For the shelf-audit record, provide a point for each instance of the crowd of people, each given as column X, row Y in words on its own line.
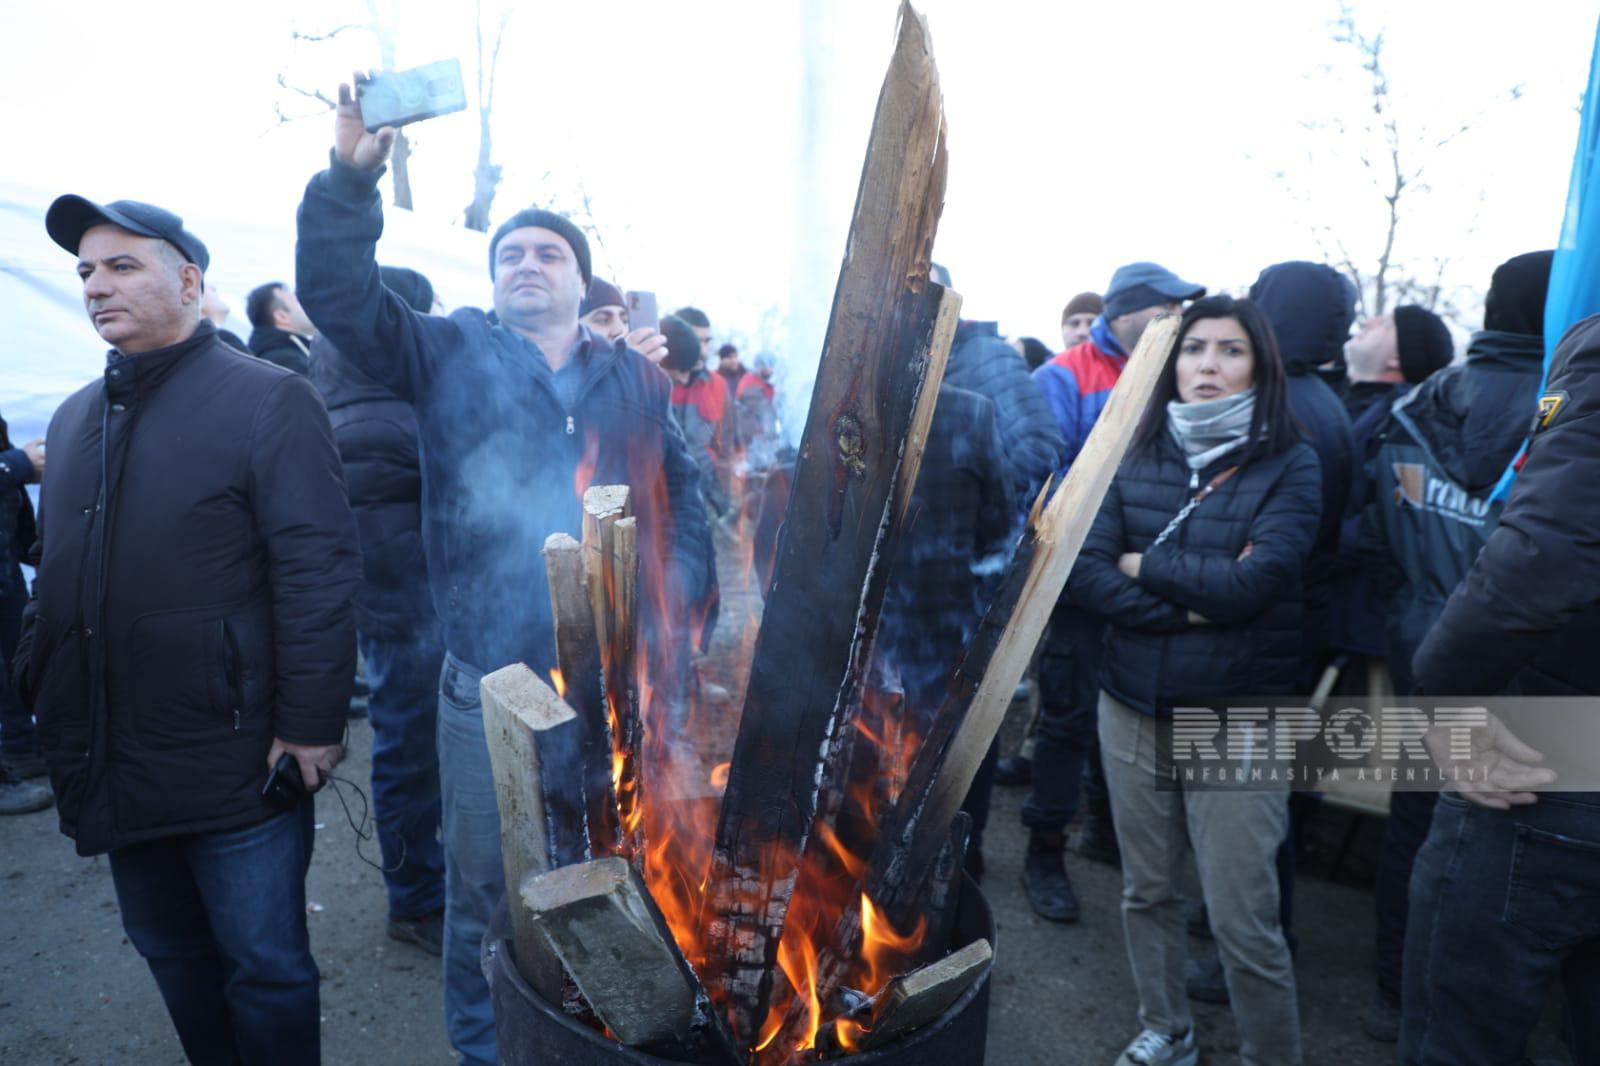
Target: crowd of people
column 1303, row 503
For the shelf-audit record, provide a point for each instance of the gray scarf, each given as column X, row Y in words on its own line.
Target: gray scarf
column 1209, row 430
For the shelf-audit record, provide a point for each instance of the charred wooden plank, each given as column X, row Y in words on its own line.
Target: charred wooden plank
column 878, row 377
column 535, row 752
column 622, row 689
column 913, row 1000
column 944, row 890
column 578, row 659
column 600, row 921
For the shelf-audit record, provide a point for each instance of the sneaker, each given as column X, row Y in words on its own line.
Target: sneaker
column 23, row 797
column 1097, row 842
column 1205, row 980
column 1044, row 875
column 1151, row 1048
column 24, row 767
column 1013, row 772
column 427, row 932
column 1382, row 1018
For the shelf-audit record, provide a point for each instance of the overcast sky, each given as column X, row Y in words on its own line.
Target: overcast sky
column 1081, row 135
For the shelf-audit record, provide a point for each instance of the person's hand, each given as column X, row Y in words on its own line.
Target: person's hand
column 1499, row 771
column 648, row 343
column 352, row 144
column 1129, row 564
column 316, row 763
column 34, row 450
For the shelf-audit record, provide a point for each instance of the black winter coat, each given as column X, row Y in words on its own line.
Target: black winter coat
column 17, row 531
column 281, row 348
column 1356, row 616
column 1529, row 609
column 981, row 362
column 193, row 599
column 502, row 458
column 1439, row 457
column 1154, row 657
column 377, row 436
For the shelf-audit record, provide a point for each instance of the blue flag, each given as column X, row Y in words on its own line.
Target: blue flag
column 1575, row 275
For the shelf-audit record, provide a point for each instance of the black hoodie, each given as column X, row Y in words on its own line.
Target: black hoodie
column 1311, row 306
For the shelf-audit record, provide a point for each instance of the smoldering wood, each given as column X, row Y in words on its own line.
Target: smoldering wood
column 913, row 1000
column 943, row 893
column 535, row 754
column 975, row 702
column 622, row 688
column 600, row 921
column 878, row 377
column 578, row 659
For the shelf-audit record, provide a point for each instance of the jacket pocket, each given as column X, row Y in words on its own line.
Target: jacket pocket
column 1554, row 892
column 179, row 685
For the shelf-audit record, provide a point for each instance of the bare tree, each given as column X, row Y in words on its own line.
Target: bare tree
column 486, row 177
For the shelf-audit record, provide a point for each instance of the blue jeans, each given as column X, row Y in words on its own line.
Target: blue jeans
column 221, row 920
column 403, row 676
column 1503, row 904
column 474, row 879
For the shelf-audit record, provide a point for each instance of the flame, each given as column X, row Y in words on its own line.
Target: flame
column 850, row 1032
column 884, row 951
column 559, row 683
column 719, row 776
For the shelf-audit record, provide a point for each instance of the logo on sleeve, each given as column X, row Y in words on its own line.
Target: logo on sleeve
column 1550, row 405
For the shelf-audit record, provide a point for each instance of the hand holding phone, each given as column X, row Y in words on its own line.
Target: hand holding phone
column 397, row 98
column 642, row 312
column 285, row 788
column 353, row 145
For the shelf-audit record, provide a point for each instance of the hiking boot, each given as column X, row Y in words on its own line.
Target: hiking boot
column 1205, row 981
column 426, row 932
column 23, row 797
column 1044, row 875
column 1097, row 841
column 24, row 767
column 1013, row 772
column 1151, row 1048
column 1382, row 1018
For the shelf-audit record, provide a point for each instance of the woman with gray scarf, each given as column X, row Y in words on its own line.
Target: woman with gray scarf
column 1195, row 562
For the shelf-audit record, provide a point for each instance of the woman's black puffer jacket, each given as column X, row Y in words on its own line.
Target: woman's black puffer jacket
column 1154, row 658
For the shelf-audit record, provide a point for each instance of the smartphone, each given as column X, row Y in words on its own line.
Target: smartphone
column 642, row 310
column 285, row 788
column 398, row 97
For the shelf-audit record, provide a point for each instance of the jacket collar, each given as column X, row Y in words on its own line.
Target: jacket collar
column 128, row 376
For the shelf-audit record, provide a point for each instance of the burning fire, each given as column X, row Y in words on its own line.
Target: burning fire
column 558, row 682
column 719, row 776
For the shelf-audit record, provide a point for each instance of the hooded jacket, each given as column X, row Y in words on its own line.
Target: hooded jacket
column 1311, row 306
column 503, row 459
column 1154, row 657
column 281, row 348
column 1439, row 457
column 1077, row 385
column 193, row 597
column 981, row 362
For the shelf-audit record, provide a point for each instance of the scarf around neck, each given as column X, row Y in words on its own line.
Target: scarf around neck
column 1209, row 430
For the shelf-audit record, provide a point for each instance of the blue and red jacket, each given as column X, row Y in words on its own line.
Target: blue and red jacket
column 1078, row 382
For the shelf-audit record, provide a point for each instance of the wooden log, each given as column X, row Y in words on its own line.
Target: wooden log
column 535, row 752
column 944, row 890
column 875, row 390
column 578, row 659
column 975, row 704
column 913, row 1000
column 603, row 507
column 599, row 920
column 622, row 689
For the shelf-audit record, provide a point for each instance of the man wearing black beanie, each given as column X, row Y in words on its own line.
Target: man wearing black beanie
column 516, row 415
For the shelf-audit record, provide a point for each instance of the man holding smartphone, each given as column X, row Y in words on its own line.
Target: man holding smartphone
column 509, row 410
column 190, row 626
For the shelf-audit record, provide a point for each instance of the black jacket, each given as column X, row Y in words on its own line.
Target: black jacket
column 16, row 519
column 193, row 599
column 1356, row 615
column 281, row 348
column 377, row 436
column 1153, row 656
column 1444, row 448
column 953, row 546
column 501, row 457
column 1311, row 306
column 981, row 362
column 1529, row 609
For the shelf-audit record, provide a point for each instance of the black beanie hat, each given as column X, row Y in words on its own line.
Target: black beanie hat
column 601, row 294
column 1516, row 294
column 410, row 286
column 1085, row 303
column 538, row 216
column 1423, row 341
column 683, row 347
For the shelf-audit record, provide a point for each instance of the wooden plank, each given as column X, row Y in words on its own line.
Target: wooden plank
column 603, row 507
column 913, row 1000
column 600, row 921
column 622, row 689
column 879, row 375
column 578, row 659
column 535, row 744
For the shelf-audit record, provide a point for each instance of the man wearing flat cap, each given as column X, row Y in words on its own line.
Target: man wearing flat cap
column 516, row 413
column 190, row 625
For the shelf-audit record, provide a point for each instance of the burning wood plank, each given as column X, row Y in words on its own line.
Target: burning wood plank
column 912, row 1000
column 881, row 367
column 578, row 659
column 599, row 920
column 622, row 689
column 981, row 689
column 535, row 751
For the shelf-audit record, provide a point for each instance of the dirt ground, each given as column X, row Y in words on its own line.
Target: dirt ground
column 72, row 990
